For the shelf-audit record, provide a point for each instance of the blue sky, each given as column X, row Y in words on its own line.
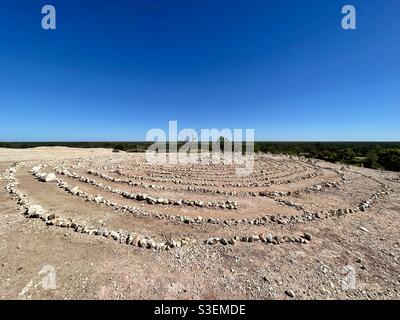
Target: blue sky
column 112, row 70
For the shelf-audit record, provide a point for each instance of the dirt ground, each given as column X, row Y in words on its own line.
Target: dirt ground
column 347, row 219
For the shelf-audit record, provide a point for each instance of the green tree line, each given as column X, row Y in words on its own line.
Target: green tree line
column 377, row 155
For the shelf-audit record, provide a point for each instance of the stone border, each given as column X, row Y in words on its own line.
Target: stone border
column 306, row 216
column 35, row 211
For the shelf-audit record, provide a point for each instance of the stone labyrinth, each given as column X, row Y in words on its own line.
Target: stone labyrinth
column 123, row 198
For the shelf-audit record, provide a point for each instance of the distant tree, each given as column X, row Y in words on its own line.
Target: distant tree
column 257, row 148
column 372, row 160
column 328, row 156
column 390, row 159
column 119, row 147
column 347, row 154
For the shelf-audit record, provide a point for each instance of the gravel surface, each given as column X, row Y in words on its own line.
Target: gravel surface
column 92, row 224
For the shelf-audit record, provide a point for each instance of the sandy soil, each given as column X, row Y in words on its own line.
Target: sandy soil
column 352, row 254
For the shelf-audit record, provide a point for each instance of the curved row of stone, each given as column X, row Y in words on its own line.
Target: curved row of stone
column 201, row 169
column 35, row 211
column 173, row 180
column 307, row 215
column 224, row 178
column 116, row 206
column 267, row 238
column 228, row 204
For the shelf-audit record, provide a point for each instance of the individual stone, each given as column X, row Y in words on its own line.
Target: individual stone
column 178, row 244
column 364, row 229
column 115, row 235
column 43, row 177
column 63, row 224
column 129, row 239
column 170, row 243
column 74, row 190
column 142, row 243
column 151, row 245
column 35, row 169
column 290, row 293
column 35, row 211
column 232, row 241
column 135, row 241
column 224, row 241
column 212, row 241
column 254, row 238
column 307, row 236
column 50, row 177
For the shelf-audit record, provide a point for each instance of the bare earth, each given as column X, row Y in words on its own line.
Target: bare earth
column 294, row 229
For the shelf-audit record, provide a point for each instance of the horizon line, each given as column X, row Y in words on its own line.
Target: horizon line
column 255, row 141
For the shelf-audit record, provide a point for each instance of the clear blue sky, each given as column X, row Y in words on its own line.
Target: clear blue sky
column 114, row 69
